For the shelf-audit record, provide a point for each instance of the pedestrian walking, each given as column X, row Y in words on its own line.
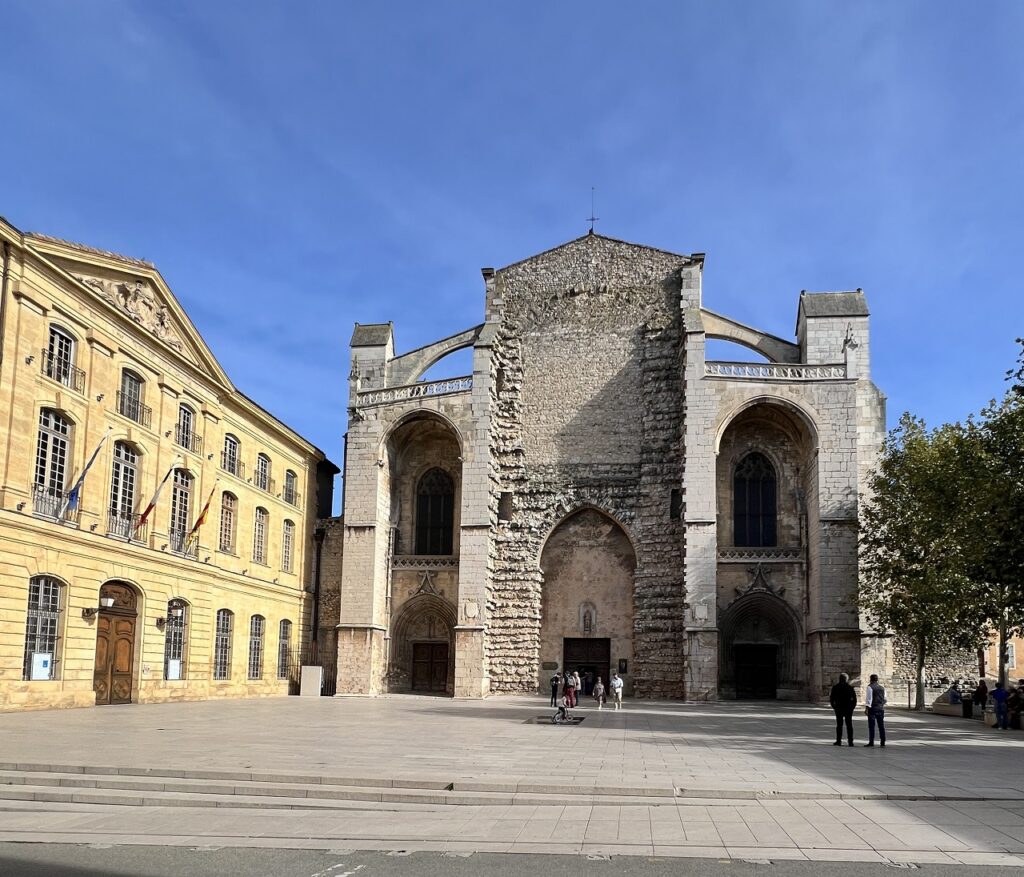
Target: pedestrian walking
column 599, row 693
column 616, row 687
column 843, row 699
column 874, row 706
column 980, row 698
column 1015, row 703
column 556, row 680
column 577, row 684
column 569, row 689
column 1000, row 696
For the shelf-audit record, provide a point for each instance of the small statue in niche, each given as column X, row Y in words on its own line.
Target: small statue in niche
column 588, row 621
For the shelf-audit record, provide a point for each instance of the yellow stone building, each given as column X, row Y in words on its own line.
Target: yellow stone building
column 100, row 603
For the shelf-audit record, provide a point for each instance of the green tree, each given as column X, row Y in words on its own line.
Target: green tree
column 912, row 541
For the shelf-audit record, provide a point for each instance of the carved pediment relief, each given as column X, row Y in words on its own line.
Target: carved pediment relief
column 139, row 301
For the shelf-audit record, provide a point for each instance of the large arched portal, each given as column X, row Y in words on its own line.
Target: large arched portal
column 587, row 605
column 761, row 649
column 422, row 659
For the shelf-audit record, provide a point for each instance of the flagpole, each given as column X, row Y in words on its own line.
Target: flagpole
column 194, row 532
column 72, row 496
column 156, row 496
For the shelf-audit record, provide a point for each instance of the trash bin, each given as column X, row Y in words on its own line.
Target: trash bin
column 968, row 705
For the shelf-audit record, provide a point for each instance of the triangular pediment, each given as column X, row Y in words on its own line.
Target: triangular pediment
column 582, row 254
column 137, row 291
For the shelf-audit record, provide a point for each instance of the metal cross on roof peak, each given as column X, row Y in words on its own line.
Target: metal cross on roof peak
column 592, row 218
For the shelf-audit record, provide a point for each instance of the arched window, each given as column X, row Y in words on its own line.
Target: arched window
column 228, row 519
column 259, row 536
column 287, row 545
column 284, row 647
column 129, row 399
column 257, row 624
column 59, row 360
column 42, row 627
column 222, row 644
column 754, row 496
column 185, row 429
column 229, row 461
column 181, row 501
column 261, row 477
column 435, row 499
column 291, row 488
column 175, row 624
column 52, row 451
column 124, row 476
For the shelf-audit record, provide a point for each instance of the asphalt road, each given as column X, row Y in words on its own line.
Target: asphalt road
column 62, row 860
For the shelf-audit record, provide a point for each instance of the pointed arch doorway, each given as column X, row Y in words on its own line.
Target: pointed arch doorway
column 113, row 669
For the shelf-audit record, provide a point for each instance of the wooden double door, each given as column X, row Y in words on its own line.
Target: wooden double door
column 430, row 667
column 115, row 646
column 756, row 671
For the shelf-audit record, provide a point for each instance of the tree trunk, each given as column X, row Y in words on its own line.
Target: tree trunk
column 1002, row 650
column 921, row 649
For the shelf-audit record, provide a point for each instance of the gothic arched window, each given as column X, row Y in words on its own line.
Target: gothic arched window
column 753, row 506
column 435, row 501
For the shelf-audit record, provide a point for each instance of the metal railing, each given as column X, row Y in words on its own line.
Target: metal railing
column 290, row 495
column 263, row 482
column 232, row 464
column 49, row 503
column 775, row 371
column 415, row 391
column 178, row 541
column 186, row 438
column 127, row 527
column 62, row 372
column 133, row 409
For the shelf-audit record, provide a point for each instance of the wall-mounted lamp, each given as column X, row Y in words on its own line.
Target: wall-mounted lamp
column 167, row 434
column 245, row 572
column 206, row 559
column 275, row 581
column 20, row 506
column 209, row 456
column 29, row 359
column 380, row 463
column 105, row 603
column 92, row 528
column 99, row 398
column 175, row 609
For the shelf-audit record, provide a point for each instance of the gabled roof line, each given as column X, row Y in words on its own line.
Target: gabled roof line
column 593, row 234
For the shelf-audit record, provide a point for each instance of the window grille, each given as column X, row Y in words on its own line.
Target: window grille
column 284, row 647
column 287, row 544
column 228, row 516
column 52, row 451
column 185, row 431
column 174, row 641
column 181, row 499
column 59, row 360
column 129, row 399
column 122, row 490
column 261, row 477
column 259, row 536
column 222, row 645
column 41, row 626
column 754, row 493
column 256, row 626
column 435, row 496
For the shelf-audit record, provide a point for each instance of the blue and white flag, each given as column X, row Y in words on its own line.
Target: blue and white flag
column 71, row 501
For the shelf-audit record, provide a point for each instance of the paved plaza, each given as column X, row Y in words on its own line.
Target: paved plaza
column 732, row 780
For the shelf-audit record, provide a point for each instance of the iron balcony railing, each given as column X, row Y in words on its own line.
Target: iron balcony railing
column 290, row 495
column 178, row 541
column 186, row 438
column 126, row 526
column 57, row 369
column 133, row 409
column 263, row 482
column 49, row 503
column 231, row 463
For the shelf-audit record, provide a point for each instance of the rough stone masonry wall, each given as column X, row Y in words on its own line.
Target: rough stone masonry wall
column 588, row 411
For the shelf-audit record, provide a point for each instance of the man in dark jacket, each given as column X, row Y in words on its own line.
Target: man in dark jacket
column 843, row 699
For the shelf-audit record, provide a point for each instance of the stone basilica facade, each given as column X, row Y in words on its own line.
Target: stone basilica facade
column 599, row 495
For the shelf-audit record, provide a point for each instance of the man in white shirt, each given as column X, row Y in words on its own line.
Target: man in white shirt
column 616, row 686
column 874, row 707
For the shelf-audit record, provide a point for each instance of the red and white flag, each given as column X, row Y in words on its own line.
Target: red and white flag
column 156, row 496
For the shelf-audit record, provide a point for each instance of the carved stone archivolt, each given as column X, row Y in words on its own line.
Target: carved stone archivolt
column 138, row 300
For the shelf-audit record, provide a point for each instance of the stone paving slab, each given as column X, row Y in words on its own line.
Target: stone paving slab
column 726, row 780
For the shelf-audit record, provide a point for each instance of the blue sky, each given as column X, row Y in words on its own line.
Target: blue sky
column 294, row 167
